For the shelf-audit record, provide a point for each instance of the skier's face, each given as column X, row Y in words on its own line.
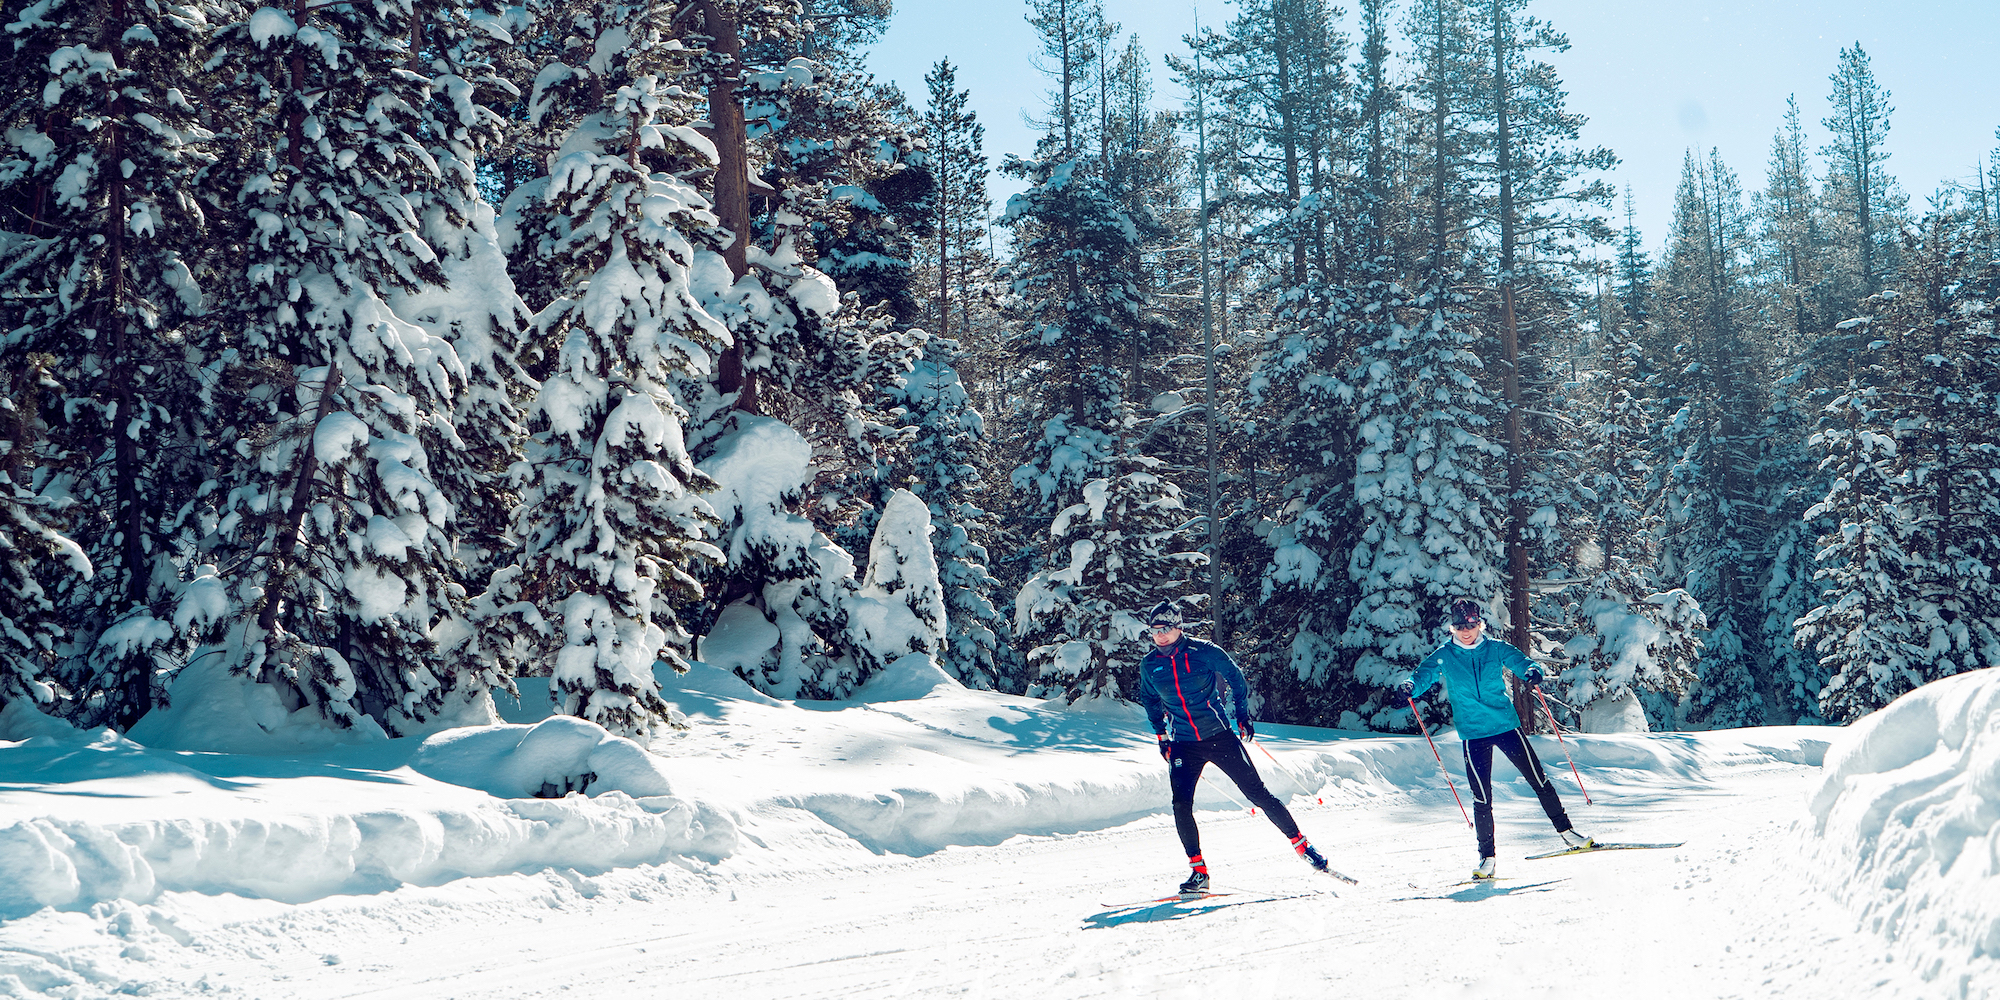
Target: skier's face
column 1468, row 635
column 1164, row 637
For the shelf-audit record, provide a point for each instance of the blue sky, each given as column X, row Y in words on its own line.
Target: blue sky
column 1654, row 78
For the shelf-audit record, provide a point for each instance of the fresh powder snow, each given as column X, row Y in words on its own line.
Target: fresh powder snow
column 924, row 839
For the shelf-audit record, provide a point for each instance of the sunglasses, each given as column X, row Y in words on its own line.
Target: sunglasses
column 1464, row 626
column 1161, row 629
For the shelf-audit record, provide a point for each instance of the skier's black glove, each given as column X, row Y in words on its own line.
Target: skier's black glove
column 1405, row 687
column 1248, row 731
column 1533, row 675
column 1166, row 750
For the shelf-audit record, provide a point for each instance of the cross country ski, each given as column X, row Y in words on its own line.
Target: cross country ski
column 1586, row 849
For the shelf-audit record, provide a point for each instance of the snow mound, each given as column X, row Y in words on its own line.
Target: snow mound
column 908, row 678
column 1908, row 815
column 20, row 721
column 207, row 705
column 550, row 758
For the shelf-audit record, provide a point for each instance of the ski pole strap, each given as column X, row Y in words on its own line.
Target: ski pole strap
column 1565, row 745
column 1440, row 759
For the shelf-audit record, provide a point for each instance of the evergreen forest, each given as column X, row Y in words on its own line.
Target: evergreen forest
column 382, row 353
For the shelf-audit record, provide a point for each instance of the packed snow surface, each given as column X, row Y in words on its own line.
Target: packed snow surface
column 927, row 840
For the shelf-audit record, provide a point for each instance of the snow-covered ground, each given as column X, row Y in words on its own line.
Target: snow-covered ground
column 956, row 843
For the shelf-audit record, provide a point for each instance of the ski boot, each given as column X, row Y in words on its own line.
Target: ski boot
column 1486, row 868
column 1311, row 856
column 1196, row 884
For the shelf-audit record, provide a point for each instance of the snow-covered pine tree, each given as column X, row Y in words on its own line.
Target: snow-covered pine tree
column 612, row 525
column 1541, row 184
column 820, row 363
column 899, row 609
column 1080, row 317
column 844, row 197
column 329, row 524
column 1791, row 481
column 478, row 310
column 1304, row 393
column 955, row 256
column 941, row 463
column 1114, row 556
column 1716, row 533
column 1424, row 486
column 101, row 150
column 1793, row 235
column 1863, row 200
column 1626, row 632
column 1910, row 595
column 1077, row 312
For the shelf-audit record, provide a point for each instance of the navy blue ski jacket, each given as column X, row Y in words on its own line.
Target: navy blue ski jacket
column 1178, row 689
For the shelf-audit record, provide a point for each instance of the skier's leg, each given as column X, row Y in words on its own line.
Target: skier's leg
column 1183, row 773
column 1521, row 754
column 1479, row 774
column 1235, row 762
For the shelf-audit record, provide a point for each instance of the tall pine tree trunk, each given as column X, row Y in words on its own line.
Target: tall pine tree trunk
column 1521, row 631
column 732, row 179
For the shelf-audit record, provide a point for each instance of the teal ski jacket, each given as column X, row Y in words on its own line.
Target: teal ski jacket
column 1472, row 678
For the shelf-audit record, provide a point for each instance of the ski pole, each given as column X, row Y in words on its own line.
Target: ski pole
column 1252, row 810
column 1296, row 783
column 1440, row 759
column 1553, row 724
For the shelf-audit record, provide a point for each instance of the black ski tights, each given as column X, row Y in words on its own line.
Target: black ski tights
column 1479, row 774
column 1225, row 752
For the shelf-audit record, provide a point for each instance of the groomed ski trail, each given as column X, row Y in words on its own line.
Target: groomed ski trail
column 1732, row 914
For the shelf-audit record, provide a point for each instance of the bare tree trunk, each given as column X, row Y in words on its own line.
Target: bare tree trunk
column 1521, row 631
column 732, row 178
column 130, row 516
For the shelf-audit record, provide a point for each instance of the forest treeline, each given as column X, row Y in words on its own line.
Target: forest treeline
column 384, row 353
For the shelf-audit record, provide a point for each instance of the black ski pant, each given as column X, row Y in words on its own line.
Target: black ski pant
column 1479, row 774
column 1227, row 753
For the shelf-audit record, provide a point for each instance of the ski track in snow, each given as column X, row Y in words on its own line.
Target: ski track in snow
column 1731, row 914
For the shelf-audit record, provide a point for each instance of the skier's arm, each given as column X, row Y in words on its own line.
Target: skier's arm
column 1424, row 677
column 1239, row 688
column 1149, row 699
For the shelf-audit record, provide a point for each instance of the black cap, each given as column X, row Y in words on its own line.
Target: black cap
column 1464, row 612
column 1164, row 613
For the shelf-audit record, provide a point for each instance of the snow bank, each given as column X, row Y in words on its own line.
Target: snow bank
column 94, row 817
column 557, row 755
column 1908, row 816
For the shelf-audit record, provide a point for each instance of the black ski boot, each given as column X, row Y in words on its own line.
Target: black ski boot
column 1196, row 884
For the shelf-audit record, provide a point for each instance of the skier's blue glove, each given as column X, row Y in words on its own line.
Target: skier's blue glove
column 1405, row 688
column 1533, row 675
column 1248, row 731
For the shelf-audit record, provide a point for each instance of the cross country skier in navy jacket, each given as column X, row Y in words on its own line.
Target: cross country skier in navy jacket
column 1181, row 688
column 1471, row 665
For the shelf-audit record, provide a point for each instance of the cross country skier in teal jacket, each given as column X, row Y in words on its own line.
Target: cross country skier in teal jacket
column 1471, row 665
column 1181, row 685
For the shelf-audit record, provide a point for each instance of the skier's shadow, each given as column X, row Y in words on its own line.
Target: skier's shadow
column 1488, row 890
column 1171, row 910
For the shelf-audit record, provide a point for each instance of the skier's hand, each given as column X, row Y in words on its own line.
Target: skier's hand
column 1533, row 675
column 1405, row 687
column 1248, row 731
column 1166, row 749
